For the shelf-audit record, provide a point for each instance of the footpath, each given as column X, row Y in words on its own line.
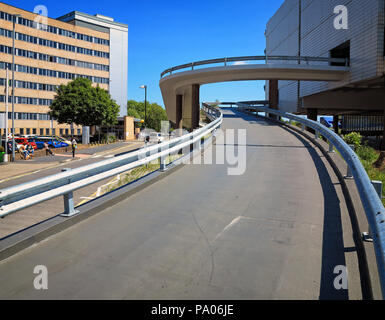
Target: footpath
column 20, row 168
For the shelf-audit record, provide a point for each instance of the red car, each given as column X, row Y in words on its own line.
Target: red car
column 24, row 141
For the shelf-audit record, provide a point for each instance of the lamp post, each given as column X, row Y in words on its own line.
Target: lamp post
column 14, row 17
column 6, row 113
column 145, row 105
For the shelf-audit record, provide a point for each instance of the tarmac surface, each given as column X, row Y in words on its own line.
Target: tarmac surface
column 275, row 232
column 25, row 171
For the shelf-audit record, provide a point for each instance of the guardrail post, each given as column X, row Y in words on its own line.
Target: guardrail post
column 368, row 236
column 69, row 207
column 163, row 166
column 331, row 147
column 349, row 174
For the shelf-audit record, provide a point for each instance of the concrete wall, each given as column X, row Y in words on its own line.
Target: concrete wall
column 118, row 68
column 318, row 36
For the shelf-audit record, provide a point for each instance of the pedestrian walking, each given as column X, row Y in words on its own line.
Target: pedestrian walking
column 47, row 149
column 74, row 147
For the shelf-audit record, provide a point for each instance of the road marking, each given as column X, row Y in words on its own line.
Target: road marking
column 109, row 156
column 98, row 156
column 231, row 224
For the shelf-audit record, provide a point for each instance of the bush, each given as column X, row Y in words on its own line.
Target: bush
column 367, row 154
column 353, row 138
column 112, row 139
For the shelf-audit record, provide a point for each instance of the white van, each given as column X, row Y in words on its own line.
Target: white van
column 156, row 137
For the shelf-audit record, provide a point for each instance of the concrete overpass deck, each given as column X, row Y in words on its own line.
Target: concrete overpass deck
column 275, row 232
column 180, row 90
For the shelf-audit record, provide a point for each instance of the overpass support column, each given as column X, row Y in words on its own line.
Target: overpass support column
column 195, row 107
column 179, row 114
column 273, row 96
column 335, row 123
column 191, row 107
column 312, row 114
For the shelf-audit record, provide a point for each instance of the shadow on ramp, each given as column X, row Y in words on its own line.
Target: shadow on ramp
column 333, row 251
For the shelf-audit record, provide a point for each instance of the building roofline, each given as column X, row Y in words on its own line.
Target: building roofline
column 86, row 15
column 49, row 18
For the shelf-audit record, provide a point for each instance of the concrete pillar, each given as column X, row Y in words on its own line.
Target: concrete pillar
column 129, row 128
column 335, row 123
column 312, row 114
column 273, row 96
column 191, row 107
column 179, row 115
column 195, row 107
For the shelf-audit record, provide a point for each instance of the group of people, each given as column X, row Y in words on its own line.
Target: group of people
column 27, row 151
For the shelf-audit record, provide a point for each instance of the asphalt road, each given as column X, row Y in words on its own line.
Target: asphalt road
column 275, row 232
column 48, row 209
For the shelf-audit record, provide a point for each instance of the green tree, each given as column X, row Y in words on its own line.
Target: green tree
column 353, row 138
column 80, row 103
column 155, row 113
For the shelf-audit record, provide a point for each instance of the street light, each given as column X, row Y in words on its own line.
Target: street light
column 145, row 104
column 14, row 17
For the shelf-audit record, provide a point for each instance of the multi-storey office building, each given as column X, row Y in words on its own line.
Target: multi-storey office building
column 308, row 28
column 50, row 52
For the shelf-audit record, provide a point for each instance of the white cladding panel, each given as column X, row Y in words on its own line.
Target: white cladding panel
column 118, row 68
column 318, row 36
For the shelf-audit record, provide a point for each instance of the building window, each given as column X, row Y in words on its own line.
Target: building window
column 21, row 131
column 67, row 131
column 41, row 132
column 34, row 131
column 342, row 51
column 47, row 132
column 61, row 132
column 53, row 132
column 79, row 132
column 28, row 131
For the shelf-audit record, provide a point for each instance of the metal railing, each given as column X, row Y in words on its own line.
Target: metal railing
column 371, row 202
column 225, row 61
column 22, row 196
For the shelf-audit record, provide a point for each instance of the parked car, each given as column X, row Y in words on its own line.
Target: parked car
column 25, row 141
column 52, row 143
column 63, row 140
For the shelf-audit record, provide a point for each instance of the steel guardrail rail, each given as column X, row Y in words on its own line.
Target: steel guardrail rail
column 372, row 204
column 254, row 58
column 21, row 196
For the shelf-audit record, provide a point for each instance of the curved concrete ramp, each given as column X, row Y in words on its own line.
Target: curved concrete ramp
column 275, row 232
column 180, row 91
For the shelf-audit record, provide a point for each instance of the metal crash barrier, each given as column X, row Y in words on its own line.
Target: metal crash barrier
column 371, row 202
column 25, row 195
